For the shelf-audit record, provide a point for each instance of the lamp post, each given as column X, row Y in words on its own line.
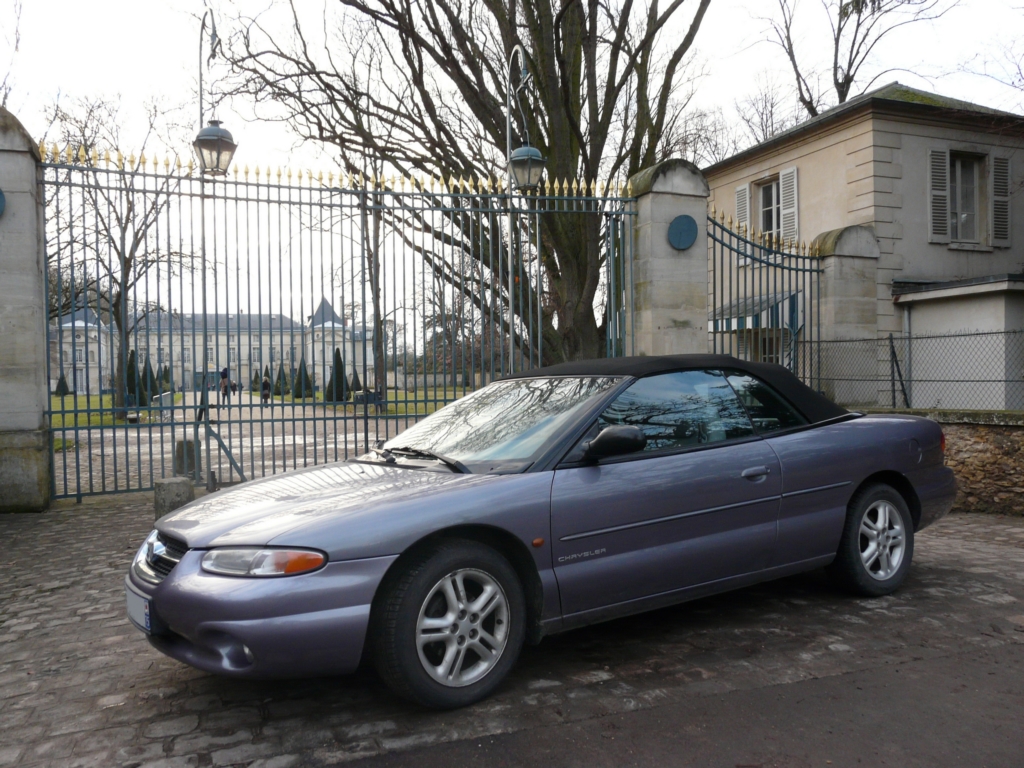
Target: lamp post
column 524, row 166
column 214, row 148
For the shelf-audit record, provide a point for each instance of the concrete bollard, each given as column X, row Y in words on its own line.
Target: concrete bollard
column 171, row 493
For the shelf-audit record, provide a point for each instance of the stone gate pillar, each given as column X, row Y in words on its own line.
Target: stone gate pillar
column 24, row 429
column 670, row 260
column 849, row 310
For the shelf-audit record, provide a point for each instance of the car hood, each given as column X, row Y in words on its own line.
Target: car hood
column 257, row 512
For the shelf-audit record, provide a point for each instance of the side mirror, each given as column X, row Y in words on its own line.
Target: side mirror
column 615, row 441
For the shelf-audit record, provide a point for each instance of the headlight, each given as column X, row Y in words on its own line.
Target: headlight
column 262, row 562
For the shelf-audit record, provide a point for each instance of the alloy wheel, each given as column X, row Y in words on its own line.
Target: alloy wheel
column 883, row 540
column 462, row 628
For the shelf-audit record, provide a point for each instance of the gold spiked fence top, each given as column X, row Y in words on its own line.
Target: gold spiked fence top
column 581, row 188
column 789, row 246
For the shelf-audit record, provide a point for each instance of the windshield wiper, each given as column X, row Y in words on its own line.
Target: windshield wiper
column 454, row 464
column 385, row 454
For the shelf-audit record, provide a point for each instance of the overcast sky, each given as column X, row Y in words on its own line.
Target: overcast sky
column 143, row 50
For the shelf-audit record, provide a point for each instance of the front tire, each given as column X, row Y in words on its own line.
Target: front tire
column 449, row 625
column 877, row 544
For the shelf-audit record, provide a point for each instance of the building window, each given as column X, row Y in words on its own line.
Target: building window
column 78, row 355
column 160, row 355
column 256, row 357
column 963, row 197
column 231, row 337
column 187, row 355
column 231, row 355
column 770, row 208
column 209, row 354
column 92, row 356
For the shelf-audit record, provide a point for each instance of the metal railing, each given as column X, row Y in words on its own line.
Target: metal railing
column 365, row 303
column 959, row 371
column 764, row 299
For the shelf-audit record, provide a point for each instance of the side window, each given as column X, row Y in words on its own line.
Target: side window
column 767, row 410
column 680, row 410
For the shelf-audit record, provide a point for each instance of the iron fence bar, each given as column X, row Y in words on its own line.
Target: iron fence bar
column 164, row 323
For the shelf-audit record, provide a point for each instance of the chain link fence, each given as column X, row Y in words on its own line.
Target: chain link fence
column 961, row 371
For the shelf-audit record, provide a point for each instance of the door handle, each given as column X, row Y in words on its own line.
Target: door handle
column 755, row 474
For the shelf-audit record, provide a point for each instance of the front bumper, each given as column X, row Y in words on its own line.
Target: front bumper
column 292, row 626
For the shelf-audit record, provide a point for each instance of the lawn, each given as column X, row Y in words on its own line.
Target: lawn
column 87, row 410
column 399, row 402
column 81, row 411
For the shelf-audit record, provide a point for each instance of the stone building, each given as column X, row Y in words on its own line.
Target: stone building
column 937, row 181
column 244, row 343
column 79, row 347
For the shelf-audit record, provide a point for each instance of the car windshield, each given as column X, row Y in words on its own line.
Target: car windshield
column 505, row 422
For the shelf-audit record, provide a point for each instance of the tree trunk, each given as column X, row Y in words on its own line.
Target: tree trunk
column 120, row 385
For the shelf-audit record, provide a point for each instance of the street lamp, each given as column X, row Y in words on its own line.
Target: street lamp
column 525, row 167
column 525, row 164
column 215, row 147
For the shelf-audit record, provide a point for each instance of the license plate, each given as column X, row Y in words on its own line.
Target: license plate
column 138, row 610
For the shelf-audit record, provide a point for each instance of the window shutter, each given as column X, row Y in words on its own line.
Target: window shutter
column 742, row 205
column 938, row 196
column 1001, row 202
column 743, row 214
column 790, row 204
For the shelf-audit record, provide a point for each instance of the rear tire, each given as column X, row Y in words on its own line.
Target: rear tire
column 877, row 544
column 449, row 625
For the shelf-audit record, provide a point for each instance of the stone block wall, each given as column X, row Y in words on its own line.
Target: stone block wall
column 24, row 430
column 989, row 465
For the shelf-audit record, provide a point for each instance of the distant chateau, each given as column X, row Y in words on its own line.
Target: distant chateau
column 83, row 347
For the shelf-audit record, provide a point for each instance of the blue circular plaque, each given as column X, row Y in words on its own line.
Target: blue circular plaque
column 3, row 202
column 682, row 232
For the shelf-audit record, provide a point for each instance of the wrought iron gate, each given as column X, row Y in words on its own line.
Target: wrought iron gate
column 364, row 304
column 764, row 299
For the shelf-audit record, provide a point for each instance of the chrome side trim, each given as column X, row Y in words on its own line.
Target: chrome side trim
column 668, row 518
column 816, row 489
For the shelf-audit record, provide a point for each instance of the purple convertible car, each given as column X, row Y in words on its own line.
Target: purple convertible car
column 552, row 499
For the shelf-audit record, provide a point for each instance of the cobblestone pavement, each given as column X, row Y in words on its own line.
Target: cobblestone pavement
column 80, row 687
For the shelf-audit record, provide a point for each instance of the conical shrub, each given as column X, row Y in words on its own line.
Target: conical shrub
column 281, row 384
column 303, row 385
column 337, row 387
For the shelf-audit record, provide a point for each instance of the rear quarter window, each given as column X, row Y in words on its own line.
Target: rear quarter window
column 768, row 410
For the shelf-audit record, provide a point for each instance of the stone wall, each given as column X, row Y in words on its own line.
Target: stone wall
column 986, row 450
column 989, row 465
column 24, row 430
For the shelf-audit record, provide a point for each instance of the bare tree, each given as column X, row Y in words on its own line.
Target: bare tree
column 768, row 110
column 102, row 243
column 1003, row 63
column 12, row 38
column 606, row 102
column 856, row 28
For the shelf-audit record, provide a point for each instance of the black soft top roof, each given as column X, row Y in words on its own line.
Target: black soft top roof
column 815, row 407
